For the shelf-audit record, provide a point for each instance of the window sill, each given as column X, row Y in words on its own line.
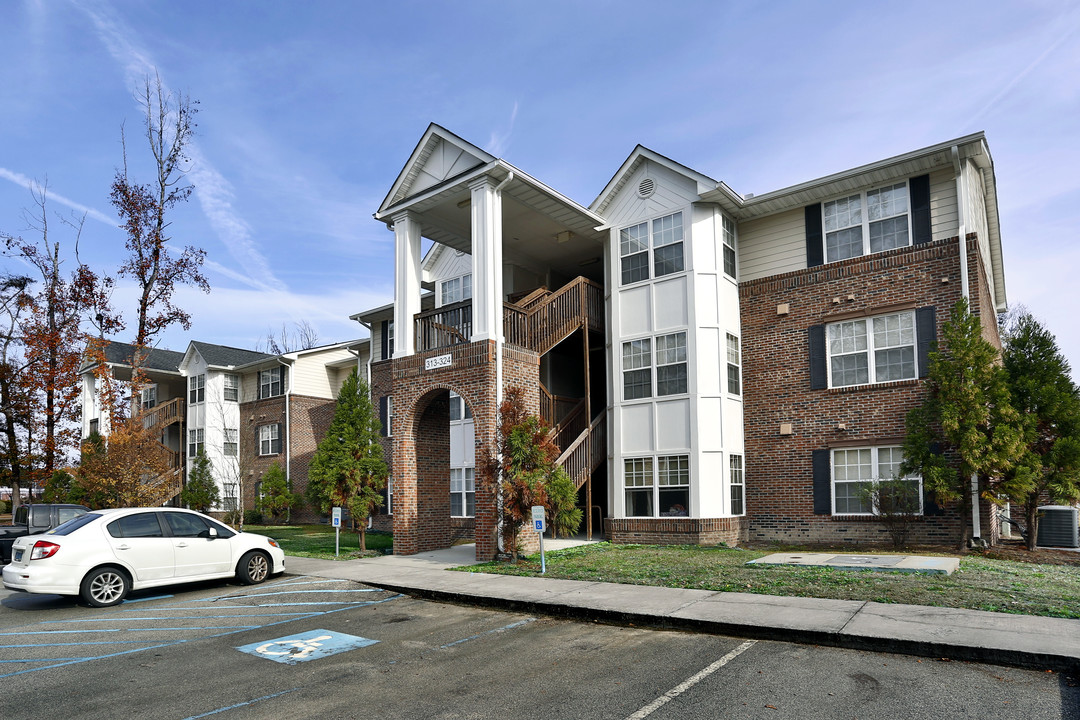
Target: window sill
column 868, row 518
column 874, row 386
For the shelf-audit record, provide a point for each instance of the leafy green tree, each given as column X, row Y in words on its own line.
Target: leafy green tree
column 58, row 488
column 523, row 473
column 277, row 499
column 1043, row 392
column 966, row 426
column 201, row 491
column 348, row 469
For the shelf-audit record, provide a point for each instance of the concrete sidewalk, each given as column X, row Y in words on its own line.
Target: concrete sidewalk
column 1021, row 640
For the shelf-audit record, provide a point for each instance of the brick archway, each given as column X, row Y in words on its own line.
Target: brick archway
column 421, row 443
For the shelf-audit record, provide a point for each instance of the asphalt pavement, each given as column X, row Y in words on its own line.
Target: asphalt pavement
column 935, row 632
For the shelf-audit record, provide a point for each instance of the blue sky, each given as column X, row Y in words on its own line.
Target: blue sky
column 308, row 110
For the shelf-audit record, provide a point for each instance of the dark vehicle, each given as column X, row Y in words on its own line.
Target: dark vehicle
column 33, row 520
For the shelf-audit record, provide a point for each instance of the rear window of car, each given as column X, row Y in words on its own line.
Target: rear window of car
column 74, row 524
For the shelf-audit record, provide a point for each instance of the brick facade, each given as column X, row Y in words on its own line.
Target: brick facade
column 309, row 421
column 776, row 370
column 253, row 466
column 677, row 531
column 419, row 455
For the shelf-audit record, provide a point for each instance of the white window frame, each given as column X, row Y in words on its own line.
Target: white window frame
column 230, row 497
column 734, row 365
column 652, row 353
column 230, row 382
column 197, row 389
column 463, row 486
column 729, row 236
column 834, row 334
column 148, row 397
column 737, row 483
column 455, row 289
column 864, row 221
column 873, row 475
column 645, row 238
column 268, row 435
column 196, row 441
column 389, row 416
column 652, row 475
column 268, row 379
column 230, row 441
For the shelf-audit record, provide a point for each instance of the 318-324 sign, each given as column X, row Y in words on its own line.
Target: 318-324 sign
column 434, row 363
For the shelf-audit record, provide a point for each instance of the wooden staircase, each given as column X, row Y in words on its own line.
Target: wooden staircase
column 168, row 485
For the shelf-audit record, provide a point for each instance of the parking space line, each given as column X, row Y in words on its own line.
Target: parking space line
column 243, row 704
column 504, row 628
column 178, row 641
column 288, row 592
column 690, row 682
column 147, row 599
column 31, row 660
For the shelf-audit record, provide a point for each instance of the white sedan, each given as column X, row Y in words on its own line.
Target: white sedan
column 104, row 554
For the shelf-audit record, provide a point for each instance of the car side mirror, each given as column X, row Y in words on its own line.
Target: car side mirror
column 212, row 533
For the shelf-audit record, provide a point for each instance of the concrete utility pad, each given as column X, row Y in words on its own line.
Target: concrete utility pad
column 891, row 563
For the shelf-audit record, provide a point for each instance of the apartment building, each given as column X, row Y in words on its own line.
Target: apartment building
column 716, row 367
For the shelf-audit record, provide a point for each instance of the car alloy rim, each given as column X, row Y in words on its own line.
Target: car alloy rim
column 107, row 587
column 257, row 568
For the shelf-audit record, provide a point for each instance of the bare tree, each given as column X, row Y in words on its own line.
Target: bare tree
column 303, row 337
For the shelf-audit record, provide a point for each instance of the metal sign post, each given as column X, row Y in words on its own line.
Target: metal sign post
column 337, row 531
column 540, row 526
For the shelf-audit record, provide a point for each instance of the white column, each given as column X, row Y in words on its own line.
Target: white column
column 407, row 273
column 486, row 260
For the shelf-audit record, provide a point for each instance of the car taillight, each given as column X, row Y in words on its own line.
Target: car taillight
column 43, row 549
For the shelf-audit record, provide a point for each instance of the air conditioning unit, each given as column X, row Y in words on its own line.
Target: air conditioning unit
column 1059, row 526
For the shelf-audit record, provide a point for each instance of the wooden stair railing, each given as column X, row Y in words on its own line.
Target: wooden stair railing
column 586, row 453
column 550, row 318
column 165, row 414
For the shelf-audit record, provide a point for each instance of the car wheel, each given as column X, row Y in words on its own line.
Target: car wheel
column 254, row 567
column 104, row 587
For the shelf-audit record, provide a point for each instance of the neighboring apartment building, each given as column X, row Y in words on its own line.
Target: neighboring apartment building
column 246, row 410
column 716, row 367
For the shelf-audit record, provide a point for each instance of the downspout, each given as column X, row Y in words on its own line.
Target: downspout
column 965, row 292
column 288, row 431
column 499, row 341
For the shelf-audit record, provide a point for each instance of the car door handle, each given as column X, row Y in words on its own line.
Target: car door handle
column 125, row 546
column 181, row 544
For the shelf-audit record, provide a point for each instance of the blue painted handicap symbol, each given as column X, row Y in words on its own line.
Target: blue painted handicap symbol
column 306, row 646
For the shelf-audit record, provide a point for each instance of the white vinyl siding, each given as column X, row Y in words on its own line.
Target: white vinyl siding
column 772, row 245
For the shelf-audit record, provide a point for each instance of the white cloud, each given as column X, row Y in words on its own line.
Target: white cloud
column 500, row 141
column 22, row 180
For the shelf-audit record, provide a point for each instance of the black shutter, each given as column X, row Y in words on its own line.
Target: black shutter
column 280, row 436
column 929, row 505
column 919, row 187
column 284, row 379
column 819, row 378
column 383, row 414
column 926, row 336
column 385, row 337
column 822, row 483
column 815, row 249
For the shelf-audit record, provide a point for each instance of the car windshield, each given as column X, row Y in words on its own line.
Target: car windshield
column 73, row 524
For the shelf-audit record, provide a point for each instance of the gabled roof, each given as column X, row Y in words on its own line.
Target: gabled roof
column 642, row 154
column 439, row 156
column 118, row 353
column 223, row 356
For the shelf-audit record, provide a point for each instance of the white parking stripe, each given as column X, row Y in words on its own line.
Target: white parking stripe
column 691, row 682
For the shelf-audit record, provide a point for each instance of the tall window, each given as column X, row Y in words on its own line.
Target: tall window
column 232, row 442
column 872, row 350
column 665, row 241
column 671, row 364
column 196, row 441
column 734, row 381
column 196, row 389
column 149, row 397
column 270, row 439
column 869, row 222
column 462, row 492
column 738, row 486
column 637, row 369
column 270, row 382
column 854, row 472
column 231, row 384
column 455, row 289
column 389, row 340
column 729, row 246
column 231, row 500
column 657, row 487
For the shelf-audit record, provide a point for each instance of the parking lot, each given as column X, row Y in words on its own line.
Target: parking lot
column 306, row 647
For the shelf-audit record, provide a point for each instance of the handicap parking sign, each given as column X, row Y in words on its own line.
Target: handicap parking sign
column 306, row 646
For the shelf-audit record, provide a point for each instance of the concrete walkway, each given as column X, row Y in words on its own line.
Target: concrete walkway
column 1022, row 640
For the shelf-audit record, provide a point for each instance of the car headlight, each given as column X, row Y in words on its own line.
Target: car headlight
column 273, row 542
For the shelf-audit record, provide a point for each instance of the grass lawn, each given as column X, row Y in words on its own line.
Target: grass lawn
column 317, row 541
column 981, row 583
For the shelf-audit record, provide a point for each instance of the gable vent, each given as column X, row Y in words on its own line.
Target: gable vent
column 646, row 188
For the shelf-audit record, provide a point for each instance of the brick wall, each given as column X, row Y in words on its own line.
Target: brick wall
column 252, row 465
column 309, row 420
column 779, row 474
column 677, row 531
column 420, row 452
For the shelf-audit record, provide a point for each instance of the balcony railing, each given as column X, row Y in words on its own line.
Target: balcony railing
column 444, row 327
